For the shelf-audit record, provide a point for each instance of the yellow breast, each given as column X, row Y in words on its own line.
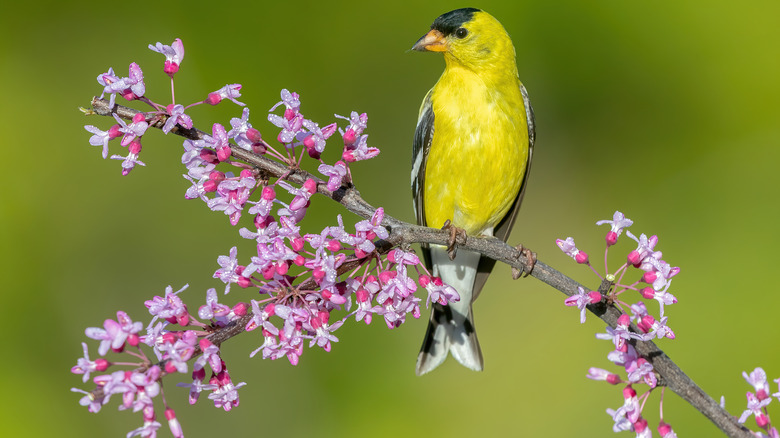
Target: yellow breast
column 479, row 152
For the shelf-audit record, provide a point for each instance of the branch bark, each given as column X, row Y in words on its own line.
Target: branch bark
column 403, row 234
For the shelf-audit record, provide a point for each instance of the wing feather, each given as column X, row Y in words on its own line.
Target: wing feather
column 423, row 137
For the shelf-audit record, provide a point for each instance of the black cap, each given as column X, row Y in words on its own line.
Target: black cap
column 449, row 22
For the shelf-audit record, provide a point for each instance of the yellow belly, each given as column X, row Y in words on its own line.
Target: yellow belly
column 478, row 156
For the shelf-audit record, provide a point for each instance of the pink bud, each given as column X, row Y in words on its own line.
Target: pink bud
column 204, row 343
column 133, row 339
column 334, row 245
column 223, row 153
column 114, row 132
column 648, row 293
column 611, row 238
column 664, row 429
column 309, row 141
column 313, row 153
column 199, row 374
column 613, row 379
column 623, row 320
column 762, row 420
column 282, row 268
column 244, row 282
column 101, row 364
column 424, row 280
column 649, row 277
column 259, row 148
column 268, row 272
column 646, row 324
column 254, row 135
column 208, row 156
column 386, row 276
column 246, row 173
column 209, row 186
column 640, row 425
column 135, row 146
column 324, row 316
column 310, row 185
column 349, row 137
column 139, row 117
column 262, row 222
column 217, row 176
column 268, row 193
column 391, row 257
column 348, row 156
column 213, row 99
column 171, row 68
column 362, row 295
column 240, row 309
column 594, row 297
column 629, row 392
column 129, row 95
column 633, row 258
column 581, row 257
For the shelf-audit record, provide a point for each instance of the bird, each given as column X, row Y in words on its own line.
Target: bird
column 471, row 157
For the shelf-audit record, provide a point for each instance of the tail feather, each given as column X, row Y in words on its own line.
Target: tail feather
column 451, row 328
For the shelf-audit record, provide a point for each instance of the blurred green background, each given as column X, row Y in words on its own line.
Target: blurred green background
column 664, row 110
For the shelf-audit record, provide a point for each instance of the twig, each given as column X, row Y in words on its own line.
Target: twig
column 404, row 234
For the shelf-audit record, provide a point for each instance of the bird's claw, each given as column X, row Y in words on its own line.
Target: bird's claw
column 530, row 257
column 457, row 237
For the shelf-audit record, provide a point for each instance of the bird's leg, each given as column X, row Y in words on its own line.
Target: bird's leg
column 457, row 236
column 530, row 256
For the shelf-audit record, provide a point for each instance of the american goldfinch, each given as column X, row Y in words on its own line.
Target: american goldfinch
column 470, row 161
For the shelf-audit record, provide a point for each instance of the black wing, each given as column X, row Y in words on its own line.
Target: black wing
column 505, row 226
column 423, row 137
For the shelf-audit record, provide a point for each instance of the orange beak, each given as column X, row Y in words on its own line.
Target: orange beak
column 432, row 41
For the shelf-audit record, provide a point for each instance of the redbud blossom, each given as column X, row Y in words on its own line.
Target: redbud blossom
column 174, row 54
column 231, row 91
column 568, row 247
column 666, row 431
column 618, row 222
column 581, row 299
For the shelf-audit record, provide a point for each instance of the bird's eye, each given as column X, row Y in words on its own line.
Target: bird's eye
column 461, row 32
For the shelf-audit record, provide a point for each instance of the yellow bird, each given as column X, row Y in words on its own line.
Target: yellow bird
column 470, row 161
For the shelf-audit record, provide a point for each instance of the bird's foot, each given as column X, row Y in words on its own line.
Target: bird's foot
column 530, row 258
column 457, row 237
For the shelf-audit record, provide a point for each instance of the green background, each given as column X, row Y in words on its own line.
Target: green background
column 664, row 110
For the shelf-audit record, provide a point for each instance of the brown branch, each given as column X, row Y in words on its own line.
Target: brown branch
column 404, row 234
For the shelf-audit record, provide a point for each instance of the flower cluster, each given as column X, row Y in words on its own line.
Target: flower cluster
column 304, row 286
column 652, row 279
column 758, row 401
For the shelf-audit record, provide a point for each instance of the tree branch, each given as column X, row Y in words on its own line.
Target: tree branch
column 405, row 234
